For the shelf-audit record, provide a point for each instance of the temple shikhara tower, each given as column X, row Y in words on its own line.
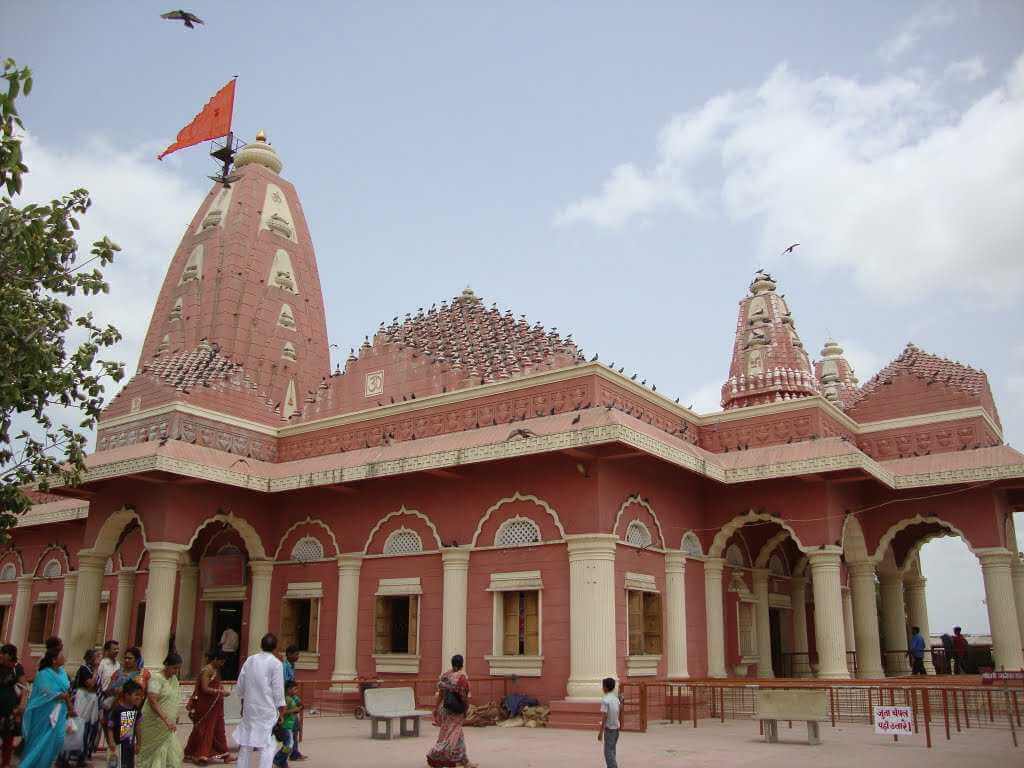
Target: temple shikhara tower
column 466, row 482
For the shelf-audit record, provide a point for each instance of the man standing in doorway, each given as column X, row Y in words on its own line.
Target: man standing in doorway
column 261, row 690
column 229, row 647
column 917, row 651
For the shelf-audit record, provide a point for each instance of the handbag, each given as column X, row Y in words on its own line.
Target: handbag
column 454, row 703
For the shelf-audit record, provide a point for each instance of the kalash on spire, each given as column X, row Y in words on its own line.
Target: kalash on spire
column 769, row 362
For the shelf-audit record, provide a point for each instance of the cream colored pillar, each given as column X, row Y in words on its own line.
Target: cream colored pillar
column 22, row 611
column 894, row 624
column 259, row 602
column 184, row 624
column 764, row 631
column 87, row 608
column 714, row 607
column 591, row 614
column 675, row 616
column 347, row 622
column 828, row 614
column 123, row 606
column 1002, row 608
column 455, row 562
column 917, row 612
column 67, row 605
column 798, row 599
column 164, row 559
column 1017, row 573
column 848, row 628
column 865, row 620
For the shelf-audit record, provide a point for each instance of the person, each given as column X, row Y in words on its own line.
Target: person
column 450, row 715
column 158, row 745
column 54, row 644
column 229, row 641
column 108, row 666
column 947, row 654
column 291, row 658
column 208, row 740
column 292, row 708
column 45, row 719
column 609, row 733
column 916, row 651
column 123, row 724
column 130, row 669
column 87, row 705
column 960, row 651
column 261, row 688
column 13, row 694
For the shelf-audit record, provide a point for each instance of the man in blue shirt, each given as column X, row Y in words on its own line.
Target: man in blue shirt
column 917, row 651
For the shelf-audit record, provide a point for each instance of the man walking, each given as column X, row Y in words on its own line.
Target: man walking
column 917, row 651
column 609, row 733
column 291, row 657
column 960, row 651
column 260, row 688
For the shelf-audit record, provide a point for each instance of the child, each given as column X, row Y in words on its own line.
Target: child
column 293, row 705
column 609, row 733
column 122, row 725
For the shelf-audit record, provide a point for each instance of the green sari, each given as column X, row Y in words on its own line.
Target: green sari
column 160, row 747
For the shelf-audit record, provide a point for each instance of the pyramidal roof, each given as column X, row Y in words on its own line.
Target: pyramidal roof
column 914, row 361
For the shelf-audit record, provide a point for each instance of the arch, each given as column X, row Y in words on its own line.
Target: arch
column 517, row 496
column 307, row 521
column 308, row 549
column 53, row 552
column 8, row 572
column 643, row 503
column 518, row 532
column 735, row 556
column 403, row 541
column 243, row 527
column 761, row 561
column 109, row 534
column 401, row 511
column 142, row 559
column 690, row 545
column 52, row 569
column 855, row 547
column 638, row 534
column 727, row 530
column 890, row 535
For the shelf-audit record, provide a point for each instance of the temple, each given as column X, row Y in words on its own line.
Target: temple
column 469, row 483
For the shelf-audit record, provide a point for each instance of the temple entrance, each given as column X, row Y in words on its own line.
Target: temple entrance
column 775, row 628
column 228, row 615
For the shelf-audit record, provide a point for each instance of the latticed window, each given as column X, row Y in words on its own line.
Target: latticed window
column 638, row 535
column 517, row 532
column 734, row 557
column 691, row 545
column 9, row 572
column 51, row 570
column 403, row 542
column 307, row 549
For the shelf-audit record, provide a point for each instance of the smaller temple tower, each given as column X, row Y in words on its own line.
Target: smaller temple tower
column 769, row 362
column 835, row 375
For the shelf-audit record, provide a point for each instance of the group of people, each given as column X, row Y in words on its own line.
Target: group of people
column 954, row 657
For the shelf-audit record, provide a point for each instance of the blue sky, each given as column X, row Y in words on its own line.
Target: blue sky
column 617, row 170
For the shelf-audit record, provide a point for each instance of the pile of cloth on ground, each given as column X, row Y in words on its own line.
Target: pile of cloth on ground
column 515, row 711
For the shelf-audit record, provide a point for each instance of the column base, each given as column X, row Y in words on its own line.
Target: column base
column 575, row 715
column 585, row 690
column 844, row 675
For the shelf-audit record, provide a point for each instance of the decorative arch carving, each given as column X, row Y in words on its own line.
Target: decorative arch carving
column 769, row 548
column 14, row 556
column 308, row 549
column 401, row 511
column 890, row 535
column 109, row 535
column 517, row 496
column 855, row 547
column 725, row 533
column 403, row 541
column 638, row 534
column 690, row 545
column 8, row 571
column 53, row 551
column 308, row 521
column 643, row 503
column 522, row 528
column 226, row 537
column 243, row 527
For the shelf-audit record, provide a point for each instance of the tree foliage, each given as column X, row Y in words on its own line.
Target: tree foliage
column 49, row 356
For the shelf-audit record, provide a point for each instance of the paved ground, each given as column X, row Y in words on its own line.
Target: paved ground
column 334, row 741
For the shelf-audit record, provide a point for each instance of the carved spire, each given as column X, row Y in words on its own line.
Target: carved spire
column 769, row 362
column 835, row 374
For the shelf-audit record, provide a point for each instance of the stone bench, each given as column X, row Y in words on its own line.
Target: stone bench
column 396, row 709
column 807, row 704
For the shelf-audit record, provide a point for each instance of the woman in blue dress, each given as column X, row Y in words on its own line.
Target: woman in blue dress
column 45, row 719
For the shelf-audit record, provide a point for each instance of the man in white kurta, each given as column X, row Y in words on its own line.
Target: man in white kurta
column 261, row 689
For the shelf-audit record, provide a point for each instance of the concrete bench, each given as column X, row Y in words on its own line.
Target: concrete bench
column 396, row 709
column 807, row 704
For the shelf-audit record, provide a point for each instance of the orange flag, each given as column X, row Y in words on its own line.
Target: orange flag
column 212, row 123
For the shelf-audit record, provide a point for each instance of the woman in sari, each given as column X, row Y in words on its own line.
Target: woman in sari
column 450, row 749
column 45, row 720
column 158, row 745
column 131, row 669
column 208, row 740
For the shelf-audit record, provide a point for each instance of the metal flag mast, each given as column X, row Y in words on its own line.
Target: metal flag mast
column 212, row 123
column 224, row 154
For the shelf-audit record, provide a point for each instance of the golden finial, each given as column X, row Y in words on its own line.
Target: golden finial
column 260, row 135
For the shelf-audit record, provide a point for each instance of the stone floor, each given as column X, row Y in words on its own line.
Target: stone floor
column 334, row 741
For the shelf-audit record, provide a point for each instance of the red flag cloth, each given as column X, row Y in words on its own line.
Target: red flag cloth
column 212, row 123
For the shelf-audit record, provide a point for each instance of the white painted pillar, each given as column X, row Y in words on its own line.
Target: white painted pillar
column 591, row 614
column 259, row 602
column 185, row 622
column 798, row 599
column 865, row 619
column 22, row 612
column 164, row 559
column 894, row 624
column 917, row 612
column 1017, row 573
column 347, row 622
column 849, row 631
column 87, row 608
column 67, row 608
column 764, row 632
column 675, row 616
column 455, row 562
column 828, row 614
column 715, row 609
column 123, row 606
column 1002, row 608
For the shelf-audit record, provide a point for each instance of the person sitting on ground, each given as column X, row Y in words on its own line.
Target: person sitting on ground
column 123, row 723
column 292, row 708
column 609, row 733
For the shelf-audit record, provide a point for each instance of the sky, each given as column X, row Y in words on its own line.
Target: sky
column 615, row 170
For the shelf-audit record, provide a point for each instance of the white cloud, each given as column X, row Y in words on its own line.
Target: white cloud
column 882, row 179
column 705, row 398
column 864, row 361
column 967, row 70
column 933, row 16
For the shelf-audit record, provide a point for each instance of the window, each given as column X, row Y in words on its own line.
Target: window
column 403, row 542
column 101, row 625
column 644, row 623
column 300, row 621
column 734, row 557
column 397, row 624
column 307, row 549
column 9, row 572
column 51, row 570
column 638, row 535
column 691, row 545
column 517, row 532
column 521, row 623
column 40, row 624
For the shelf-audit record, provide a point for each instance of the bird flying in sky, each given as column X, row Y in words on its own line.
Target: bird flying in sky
column 790, row 249
column 190, row 19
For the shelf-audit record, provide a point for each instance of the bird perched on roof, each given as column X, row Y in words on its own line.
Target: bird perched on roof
column 190, row 19
column 521, row 432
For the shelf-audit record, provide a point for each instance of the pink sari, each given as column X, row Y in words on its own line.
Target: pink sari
column 450, row 749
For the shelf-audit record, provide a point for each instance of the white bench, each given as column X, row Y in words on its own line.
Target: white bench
column 396, row 709
column 808, row 704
